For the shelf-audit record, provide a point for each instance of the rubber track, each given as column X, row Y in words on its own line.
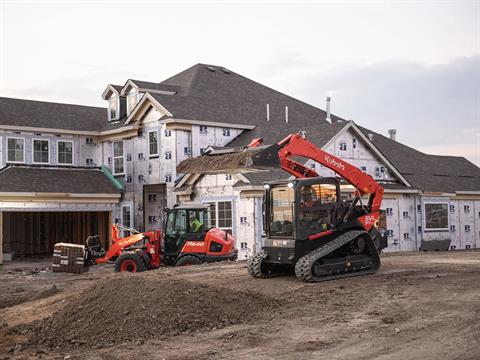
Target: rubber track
column 304, row 266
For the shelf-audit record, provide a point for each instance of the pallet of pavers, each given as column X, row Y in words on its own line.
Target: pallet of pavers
column 68, row 258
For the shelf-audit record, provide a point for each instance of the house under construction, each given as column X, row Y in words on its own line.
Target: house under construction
column 69, row 171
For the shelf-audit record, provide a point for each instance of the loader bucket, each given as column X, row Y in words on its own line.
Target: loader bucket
column 232, row 161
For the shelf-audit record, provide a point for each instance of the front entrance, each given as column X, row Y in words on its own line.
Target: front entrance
column 30, row 234
column 155, row 201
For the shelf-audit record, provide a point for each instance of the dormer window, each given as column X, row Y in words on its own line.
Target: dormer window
column 132, row 100
column 113, row 107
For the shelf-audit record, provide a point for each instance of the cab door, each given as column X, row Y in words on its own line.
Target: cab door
column 175, row 231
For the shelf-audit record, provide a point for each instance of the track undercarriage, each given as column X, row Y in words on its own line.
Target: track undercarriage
column 352, row 253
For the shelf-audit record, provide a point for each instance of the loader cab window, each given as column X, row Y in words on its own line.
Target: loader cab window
column 281, row 212
column 177, row 222
column 316, row 210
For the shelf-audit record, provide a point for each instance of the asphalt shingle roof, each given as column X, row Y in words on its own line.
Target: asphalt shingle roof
column 41, row 114
column 433, row 173
column 24, row 178
column 225, row 96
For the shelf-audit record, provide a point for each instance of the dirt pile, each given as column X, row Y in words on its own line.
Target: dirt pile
column 136, row 308
column 235, row 162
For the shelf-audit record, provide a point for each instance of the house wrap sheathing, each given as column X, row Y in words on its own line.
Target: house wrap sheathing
column 136, row 142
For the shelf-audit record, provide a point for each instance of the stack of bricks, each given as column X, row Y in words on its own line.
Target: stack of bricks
column 68, row 258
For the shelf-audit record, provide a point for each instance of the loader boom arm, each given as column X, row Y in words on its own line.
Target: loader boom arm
column 297, row 145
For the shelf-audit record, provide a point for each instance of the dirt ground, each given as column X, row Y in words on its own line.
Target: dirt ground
column 418, row 306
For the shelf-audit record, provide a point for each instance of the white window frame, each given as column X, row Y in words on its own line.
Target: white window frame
column 33, row 151
column 158, row 144
column 216, row 214
column 125, row 232
column 425, row 229
column 58, row 152
column 117, row 104
column 116, row 157
column 24, row 142
column 133, row 91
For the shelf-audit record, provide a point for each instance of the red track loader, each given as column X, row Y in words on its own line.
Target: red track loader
column 187, row 239
column 310, row 226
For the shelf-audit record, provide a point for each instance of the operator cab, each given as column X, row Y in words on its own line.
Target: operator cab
column 302, row 208
column 186, row 221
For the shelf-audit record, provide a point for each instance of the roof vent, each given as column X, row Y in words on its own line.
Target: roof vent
column 329, row 119
column 393, row 134
column 226, row 71
column 211, row 68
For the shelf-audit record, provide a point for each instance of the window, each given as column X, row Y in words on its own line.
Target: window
column 126, row 218
column 16, row 150
column 41, row 154
column 221, row 215
column 65, row 152
column 436, row 217
column 203, row 129
column 281, row 222
column 225, row 214
column 318, row 194
column 132, row 99
column 113, row 107
column 118, row 158
column 153, row 143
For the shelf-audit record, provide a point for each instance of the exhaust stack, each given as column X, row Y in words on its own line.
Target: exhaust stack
column 393, row 134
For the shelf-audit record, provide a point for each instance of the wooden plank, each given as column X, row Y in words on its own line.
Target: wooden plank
column 1, row 237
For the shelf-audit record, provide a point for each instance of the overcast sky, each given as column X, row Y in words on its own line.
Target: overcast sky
column 409, row 65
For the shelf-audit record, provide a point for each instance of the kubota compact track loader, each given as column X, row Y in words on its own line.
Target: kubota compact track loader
column 187, row 239
column 309, row 224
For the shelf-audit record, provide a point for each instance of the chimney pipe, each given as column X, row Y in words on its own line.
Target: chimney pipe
column 393, row 134
column 328, row 109
column 286, row 114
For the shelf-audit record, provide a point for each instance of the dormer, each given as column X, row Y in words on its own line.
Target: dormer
column 132, row 93
column 116, row 102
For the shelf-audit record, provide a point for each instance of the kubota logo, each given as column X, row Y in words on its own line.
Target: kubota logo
column 122, row 243
column 331, row 161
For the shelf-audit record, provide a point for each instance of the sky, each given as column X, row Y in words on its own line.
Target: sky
column 409, row 65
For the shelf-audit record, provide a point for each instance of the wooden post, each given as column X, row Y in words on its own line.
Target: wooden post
column 109, row 230
column 1, row 238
